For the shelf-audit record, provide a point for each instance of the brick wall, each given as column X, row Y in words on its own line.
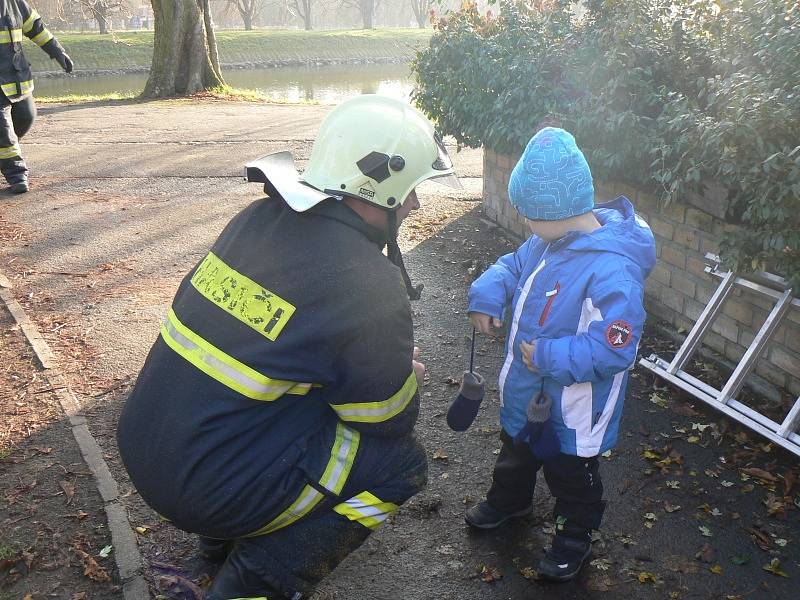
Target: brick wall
column 678, row 288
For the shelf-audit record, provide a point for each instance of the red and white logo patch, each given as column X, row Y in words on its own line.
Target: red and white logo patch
column 618, row 334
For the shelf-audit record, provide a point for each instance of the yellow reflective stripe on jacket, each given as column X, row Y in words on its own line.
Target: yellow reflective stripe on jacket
column 40, row 39
column 376, row 412
column 342, row 455
column 367, row 509
column 10, row 89
column 9, row 151
column 241, row 297
column 14, row 36
column 224, row 368
column 344, row 450
column 28, row 24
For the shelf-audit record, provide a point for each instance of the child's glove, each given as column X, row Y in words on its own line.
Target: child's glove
column 464, row 409
column 538, row 432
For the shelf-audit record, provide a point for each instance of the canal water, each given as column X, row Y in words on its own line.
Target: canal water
column 325, row 84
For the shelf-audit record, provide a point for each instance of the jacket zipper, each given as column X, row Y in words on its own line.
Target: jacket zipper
column 551, row 297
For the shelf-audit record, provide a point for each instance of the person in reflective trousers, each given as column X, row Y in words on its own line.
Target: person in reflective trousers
column 17, row 108
column 274, row 415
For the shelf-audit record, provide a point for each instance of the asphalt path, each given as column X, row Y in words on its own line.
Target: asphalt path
column 127, row 197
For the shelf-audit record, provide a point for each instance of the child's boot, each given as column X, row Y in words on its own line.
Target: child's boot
column 570, row 549
column 485, row 516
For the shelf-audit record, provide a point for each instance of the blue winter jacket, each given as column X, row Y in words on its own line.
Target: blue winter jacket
column 581, row 298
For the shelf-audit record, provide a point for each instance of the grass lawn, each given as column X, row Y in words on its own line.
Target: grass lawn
column 124, row 50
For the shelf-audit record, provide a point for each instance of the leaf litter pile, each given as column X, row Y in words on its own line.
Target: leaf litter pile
column 52, row 523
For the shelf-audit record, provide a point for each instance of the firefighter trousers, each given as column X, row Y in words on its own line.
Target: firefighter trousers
column 289, row 562
column 15, row 121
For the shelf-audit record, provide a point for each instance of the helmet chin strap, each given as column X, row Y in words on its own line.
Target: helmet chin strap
column 396, row 257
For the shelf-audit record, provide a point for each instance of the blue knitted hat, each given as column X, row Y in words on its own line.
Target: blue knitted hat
column 552, row 180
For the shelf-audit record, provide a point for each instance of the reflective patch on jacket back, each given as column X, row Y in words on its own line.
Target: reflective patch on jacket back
column 241, row 297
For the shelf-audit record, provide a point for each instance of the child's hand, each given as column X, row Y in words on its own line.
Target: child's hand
column 419, row 368
column 528, row 351
column 485, row 323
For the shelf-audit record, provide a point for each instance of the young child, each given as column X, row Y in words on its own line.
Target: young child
column 575, row 289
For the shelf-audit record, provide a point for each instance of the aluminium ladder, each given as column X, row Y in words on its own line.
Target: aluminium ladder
column 785, row 433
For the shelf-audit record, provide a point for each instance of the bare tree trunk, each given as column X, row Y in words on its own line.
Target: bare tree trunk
column 368, row 13
column 101, row 17
column 185, row 58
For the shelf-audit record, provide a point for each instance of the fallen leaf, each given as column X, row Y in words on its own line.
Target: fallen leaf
column 774, row 567
column 141, row 530
column 658, row 400
column 452, row 381
column 685, row 410
column 490, row 574
column 439, row 454
column 781, row 542
column 680, row 564
column 716, row 569
column 726, row 484
column 604, row 564
column 740, row 560
column 789, row 481
column 650, row 516
column 646, row 576
column 105, row 552
column 701, row 427
column 674, row 485
column 759, row 538
column 671, row 508
column 651, row 455
column 68, row 489
column 760, row 474
column 705, row 531
column 91, row 569
column 775, row 506
column 529, row 573
column 693, row 439
column 606, row 454
column 705, row 553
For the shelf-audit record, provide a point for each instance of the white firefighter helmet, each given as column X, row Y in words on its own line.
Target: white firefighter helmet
column 376, row 149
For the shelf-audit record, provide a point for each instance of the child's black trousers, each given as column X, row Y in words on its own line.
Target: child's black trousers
column 574, row 481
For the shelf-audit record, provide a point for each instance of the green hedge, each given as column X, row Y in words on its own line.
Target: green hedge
column 667, row 95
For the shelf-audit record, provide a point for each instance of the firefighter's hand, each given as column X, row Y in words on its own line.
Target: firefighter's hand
column 419, row 368
column 528, row 352
column 485, row 323
column 65, row 61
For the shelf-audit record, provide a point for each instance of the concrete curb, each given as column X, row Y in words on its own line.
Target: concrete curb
column 126, row 550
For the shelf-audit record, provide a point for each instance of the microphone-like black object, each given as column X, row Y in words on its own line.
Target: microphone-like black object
column 464, row 408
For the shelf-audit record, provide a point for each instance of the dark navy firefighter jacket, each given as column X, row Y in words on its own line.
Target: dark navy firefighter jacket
column 290, row 339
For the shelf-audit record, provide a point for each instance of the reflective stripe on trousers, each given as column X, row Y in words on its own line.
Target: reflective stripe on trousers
column 343, row 453
column 367, row 509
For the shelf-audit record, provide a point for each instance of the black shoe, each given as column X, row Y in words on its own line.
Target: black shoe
column 213, row 550
column 20, row 187
column 484, row 516
column 564, row 560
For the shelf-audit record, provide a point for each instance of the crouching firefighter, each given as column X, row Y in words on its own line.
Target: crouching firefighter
column 274, row 415
column 17, row 108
